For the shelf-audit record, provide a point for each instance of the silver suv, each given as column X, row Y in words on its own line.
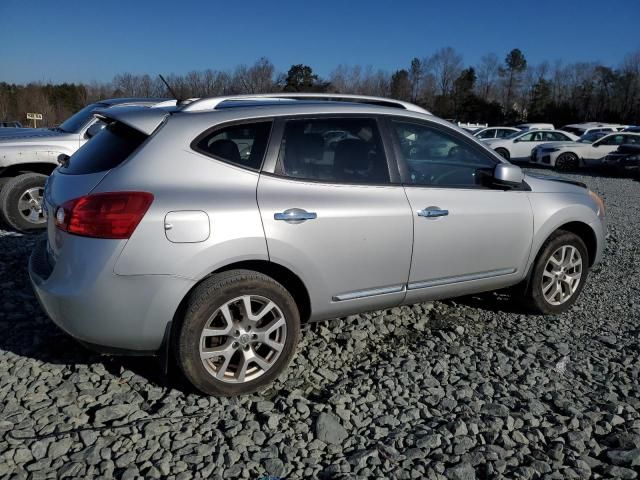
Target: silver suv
column 212, row 230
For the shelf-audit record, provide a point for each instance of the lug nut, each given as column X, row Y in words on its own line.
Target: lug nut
column 235, row 345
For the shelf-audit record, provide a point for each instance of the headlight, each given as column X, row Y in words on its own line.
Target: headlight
column 599, row 203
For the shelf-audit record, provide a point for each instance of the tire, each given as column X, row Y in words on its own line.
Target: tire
column 567, row 162
column 539, row 284
column 205, row 308
column 503, row 152
column 23, row 190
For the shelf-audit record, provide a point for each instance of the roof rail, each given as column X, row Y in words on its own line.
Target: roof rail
column 212, row 102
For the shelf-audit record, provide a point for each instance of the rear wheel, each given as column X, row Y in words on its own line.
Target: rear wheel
column 503, row 152
column 239, row 332
column 567, row 162
column 21, row 202
column 559, row 274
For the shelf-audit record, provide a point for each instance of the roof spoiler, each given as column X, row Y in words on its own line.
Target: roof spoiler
column 143, row 119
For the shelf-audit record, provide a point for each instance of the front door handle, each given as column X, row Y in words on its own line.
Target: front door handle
column 433, row 212
column 295, row 215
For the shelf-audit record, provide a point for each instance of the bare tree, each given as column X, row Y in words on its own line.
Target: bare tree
column 446, row 65
column 487, row 76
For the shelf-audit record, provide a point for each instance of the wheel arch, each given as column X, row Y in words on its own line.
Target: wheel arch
column 279, row 273
column 581, row 229
column 43, row 168
column 586, row 234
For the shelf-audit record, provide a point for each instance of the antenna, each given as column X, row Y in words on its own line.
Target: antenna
column 170, row 89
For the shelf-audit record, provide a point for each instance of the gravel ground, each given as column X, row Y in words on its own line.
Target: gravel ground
column 462, row 389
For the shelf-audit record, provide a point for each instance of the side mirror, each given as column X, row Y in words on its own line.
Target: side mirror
column 94, row 129
column 508, row 175
column 63, row 159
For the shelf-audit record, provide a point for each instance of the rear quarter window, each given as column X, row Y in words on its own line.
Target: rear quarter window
column 108, row 149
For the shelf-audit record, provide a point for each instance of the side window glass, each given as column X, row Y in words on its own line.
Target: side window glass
column 341, row 150
column 243, row 144
column 435, row 157
column 526, row 138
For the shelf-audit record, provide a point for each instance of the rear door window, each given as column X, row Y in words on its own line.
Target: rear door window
column 333, row 150
column 108, row 149
column 242, row 144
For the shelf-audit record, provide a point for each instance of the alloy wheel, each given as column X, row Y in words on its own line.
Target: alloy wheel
column 243, row 339
column 30, row 205
column 561, row 275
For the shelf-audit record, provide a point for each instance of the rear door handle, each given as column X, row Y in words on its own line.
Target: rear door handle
column 295, row 215
column 433, row 212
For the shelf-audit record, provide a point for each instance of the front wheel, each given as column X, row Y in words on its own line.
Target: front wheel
column 21, row 205
column 239, row 332
column 503, row 152
column 567, row 162
column 559, row 274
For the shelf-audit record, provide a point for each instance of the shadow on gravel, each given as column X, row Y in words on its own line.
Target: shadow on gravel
column 500, row 301
column 25, row 330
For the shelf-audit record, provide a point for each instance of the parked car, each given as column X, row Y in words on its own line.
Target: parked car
column 166, row 233
column 28, row 155
column 632, row 129
column 581, row 129
column 588, row 151
column 10, row 125
column 536, row 126
column 518, row 146
column 495, row 132
column 625, row 159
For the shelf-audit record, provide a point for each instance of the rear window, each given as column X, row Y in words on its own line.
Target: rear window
column 106, row 150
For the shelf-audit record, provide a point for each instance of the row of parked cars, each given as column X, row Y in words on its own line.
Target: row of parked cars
column 571, row 147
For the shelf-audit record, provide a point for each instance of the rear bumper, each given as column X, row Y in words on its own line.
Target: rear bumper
column 112, row 313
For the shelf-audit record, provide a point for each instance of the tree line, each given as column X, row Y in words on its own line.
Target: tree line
column 495, row 91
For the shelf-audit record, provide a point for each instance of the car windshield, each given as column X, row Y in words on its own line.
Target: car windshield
column 74, row 123
column 591, row 137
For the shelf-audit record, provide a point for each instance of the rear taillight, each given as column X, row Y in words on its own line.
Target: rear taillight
column 103, row 215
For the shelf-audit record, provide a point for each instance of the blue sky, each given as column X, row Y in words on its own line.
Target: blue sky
column 69, row 40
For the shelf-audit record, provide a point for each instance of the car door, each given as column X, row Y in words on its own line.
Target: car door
column 335, row 213
column 468, row 236
column 603, row 147
column 522, row 146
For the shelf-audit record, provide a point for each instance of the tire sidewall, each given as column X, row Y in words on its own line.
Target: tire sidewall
column 9, row 196
column 540, row 303
column 205, row 302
